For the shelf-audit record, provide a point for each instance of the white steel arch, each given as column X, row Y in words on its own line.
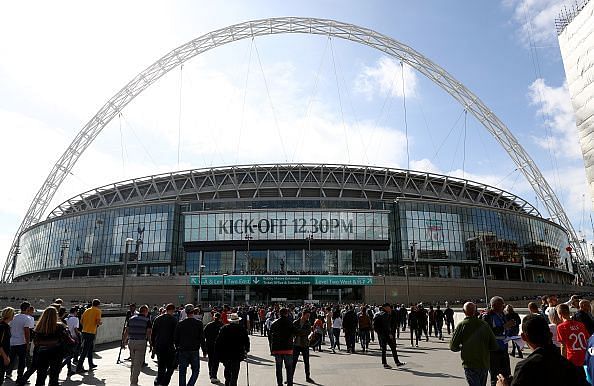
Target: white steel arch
column 283, row 25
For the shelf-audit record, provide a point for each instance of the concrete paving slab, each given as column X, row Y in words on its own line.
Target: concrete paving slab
column 430, row 364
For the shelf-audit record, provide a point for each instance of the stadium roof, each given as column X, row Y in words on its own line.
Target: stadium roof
column 292, row 181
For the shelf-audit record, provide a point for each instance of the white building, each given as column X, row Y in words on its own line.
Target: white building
column 575, row 27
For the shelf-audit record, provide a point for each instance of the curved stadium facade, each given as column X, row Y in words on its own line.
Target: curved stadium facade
column 295, row 231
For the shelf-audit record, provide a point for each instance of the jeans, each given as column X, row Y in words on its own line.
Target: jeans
column 192, row 359
column 336, row 332
column 231, row 372
column 417, row 333
column 165, row 365
column 450, row 323
column 86, row 351
column 364, row 339
column 288, row 360
column 331, row 338
column 301, row 350
column 476, row 377
column 19, row 353
column 137, row 353
column 349, row 337
column 213, row 362
column 499, row 364
column 385, row 341
column 437, row 326
column 2, row 371
column 49, row 360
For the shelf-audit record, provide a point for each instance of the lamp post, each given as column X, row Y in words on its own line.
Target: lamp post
column 309, row 238
column 384, row 276
column 248, row 260
column 63, row 248
column 414, row 254
column 129, row 242
column 405, row 267
column 139, row 247
column 224, row 288
column 479, row 246
column 200, row 282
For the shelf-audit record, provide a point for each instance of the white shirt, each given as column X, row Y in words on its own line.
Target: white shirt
column 72, row 323
column 553, row 329
column 337, row 323
column 17, row 328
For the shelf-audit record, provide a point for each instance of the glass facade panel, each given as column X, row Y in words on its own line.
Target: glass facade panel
column 439, row 239
column 99, row 239
column 457, row 233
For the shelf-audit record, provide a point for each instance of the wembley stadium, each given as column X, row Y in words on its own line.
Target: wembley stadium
column 293, row 232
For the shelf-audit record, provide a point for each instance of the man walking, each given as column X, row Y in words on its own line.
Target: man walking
column 382, row 324
column 231, row 347
column 496, row 320
column 301, row 343
column 20, row 329
column 90, row 320
column 475, row 340
column 162, row 341
column 573, row 336
column 282, row 332
column 448, row 314
column 211, row 332
column 189, row 338
column 439, row 322
column 349, row 326
column 136, row 334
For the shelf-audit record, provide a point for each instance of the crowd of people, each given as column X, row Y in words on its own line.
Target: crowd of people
column 559, row 334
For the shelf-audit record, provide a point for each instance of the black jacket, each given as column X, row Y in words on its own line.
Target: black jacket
column 533, row 370
column 211, row 331
column 382, row 324
column 350, row 321
column 439, row 316
column 586, row 319
column 232, row 343
column 302, row 333
column 189, row 335
column 162, row 335
column 282, row 332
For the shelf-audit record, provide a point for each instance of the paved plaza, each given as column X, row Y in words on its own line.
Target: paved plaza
column 432, row 363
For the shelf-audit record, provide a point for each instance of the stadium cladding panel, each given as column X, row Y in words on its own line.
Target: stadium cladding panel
column 296, row 231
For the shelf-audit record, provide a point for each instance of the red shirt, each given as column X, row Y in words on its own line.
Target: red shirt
column 574, row 336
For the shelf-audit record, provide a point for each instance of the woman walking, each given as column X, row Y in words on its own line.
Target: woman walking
column 49, row 340
column 5, row 318
column 336, row 327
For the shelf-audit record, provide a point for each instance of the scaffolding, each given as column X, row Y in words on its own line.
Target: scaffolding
column 568, row 13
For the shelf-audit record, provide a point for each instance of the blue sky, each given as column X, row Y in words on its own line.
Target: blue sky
column 284, row 98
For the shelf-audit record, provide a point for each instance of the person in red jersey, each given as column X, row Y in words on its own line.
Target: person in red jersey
column 573, row 337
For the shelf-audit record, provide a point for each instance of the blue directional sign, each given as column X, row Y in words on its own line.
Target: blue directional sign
column 328, row 280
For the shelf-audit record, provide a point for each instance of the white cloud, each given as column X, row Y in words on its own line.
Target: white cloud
column 554, row 106
column 385, row 78
column 536, row 19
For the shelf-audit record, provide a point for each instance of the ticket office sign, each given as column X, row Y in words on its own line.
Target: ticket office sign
column 329, row 280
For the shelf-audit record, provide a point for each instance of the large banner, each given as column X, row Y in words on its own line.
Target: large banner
column 435, row 230
column 329, row 280
column 287, row 225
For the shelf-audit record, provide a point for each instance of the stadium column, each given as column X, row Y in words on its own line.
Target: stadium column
column 309, row 292
column 247, row 294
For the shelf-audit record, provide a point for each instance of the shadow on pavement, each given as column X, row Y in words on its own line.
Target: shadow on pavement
column 426, row 374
